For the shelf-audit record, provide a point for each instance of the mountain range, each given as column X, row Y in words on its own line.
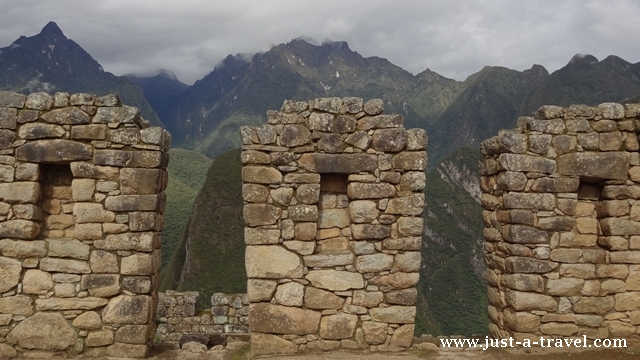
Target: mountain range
column 202, row 237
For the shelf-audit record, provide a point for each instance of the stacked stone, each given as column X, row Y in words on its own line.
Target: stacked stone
column 81, row 201
column 333, row 194
column 177, row 315
column 230, row 313
column 562, row 218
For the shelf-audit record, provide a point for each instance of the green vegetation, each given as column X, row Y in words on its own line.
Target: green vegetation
column 452, row 276
column 210, row 257
column 187, row 171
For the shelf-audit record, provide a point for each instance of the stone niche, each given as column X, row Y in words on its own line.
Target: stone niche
column 82, row 182
column 561, row 198
column 333, row 194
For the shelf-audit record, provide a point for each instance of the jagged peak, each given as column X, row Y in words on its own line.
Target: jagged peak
column 583, row 59
column 52, row 29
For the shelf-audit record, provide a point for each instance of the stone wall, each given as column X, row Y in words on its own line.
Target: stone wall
column 81, row 201
column 177, row 315
column 333, row 195
column 562, row 218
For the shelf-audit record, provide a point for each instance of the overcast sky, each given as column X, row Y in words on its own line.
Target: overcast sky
column 452, row 37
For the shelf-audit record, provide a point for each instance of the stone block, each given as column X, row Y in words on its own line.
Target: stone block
column 277, row 319
column 410, row 160
column 338, row 326
column 70, row 248
column 395, row 281
column 272, row 261
column 374, row 263
column 266, row 344
column 522, row 301
column 338, row 163
column 400, row 297
column 394, row 314
column 43, row 331
column 135, row 203
column 302, row 212
column 370, row 191
column 380, row 121
column 57, row 304
column 10, row 271
column 53, row 151
column 406, row 205
column 335, row 280
column 611, row 165
column 290, row 294
column 126, row 309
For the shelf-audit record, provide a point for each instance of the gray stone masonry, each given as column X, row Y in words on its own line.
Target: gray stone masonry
column 333, row 194
column 176, row 316
column 82, row 182
column 562, row 224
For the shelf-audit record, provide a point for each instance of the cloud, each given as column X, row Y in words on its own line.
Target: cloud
column 454, row 38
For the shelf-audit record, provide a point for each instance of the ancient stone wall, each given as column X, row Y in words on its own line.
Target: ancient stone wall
column 562, row 214
column 177, row 315
column 333, row 195
column 81, row 201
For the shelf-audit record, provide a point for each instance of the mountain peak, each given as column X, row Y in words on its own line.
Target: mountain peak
column 52, row 29
column 583, row 59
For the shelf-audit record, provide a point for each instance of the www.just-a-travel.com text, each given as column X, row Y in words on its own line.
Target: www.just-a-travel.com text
column 543, row 342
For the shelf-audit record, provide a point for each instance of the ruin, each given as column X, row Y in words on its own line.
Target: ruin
column 82, row 182
column 562, row 216
column 333, row 194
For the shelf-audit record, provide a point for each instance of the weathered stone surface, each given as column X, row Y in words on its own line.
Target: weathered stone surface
column 625, row 257
column 408, row 261
column 318, row 299
column 594, row 305
column 416, row 139
column 374, row 107
column 410, row 226
column 303, row 212
column 406, row 205
column 521, row 301
column 406, row 243
column 65, row 266
column 67, row 116
column 610, row 165
column 140, row 241
column 380, row 121
column 331, row 143
column 121, row 350
column 627, row 301
column 126, row 309
column 335, row 280
column 564, row 287
column 43, row 331
column 137, row 284
column 370, row 232
column 89, row 320
column 359, row 139
column 374, row 263
column 258, row 236
column 273, row 262
column 16, row 305
column 389, row 140
column 6, row 138
column 261, row 175
column 68, row 248
column 290, row 294
column 338, row 326
column 403, row 336
column 91, row 213
column 516, row 264
column 260, row 214
column 305, row 231
column 330, row 218
column 87, row 303
column 308, row 193
column 396, row 280
column 517, row 200
column 101, row 285
column 36, row 282
column 99, row 338
column 255, row 193
column 10, row 271
column 618, row 226
column 260, row 290
column 20, row 192
column 139, row 264
column 52, row 151
column 526, row 163
column 266, row 344
column 12, row 99
column 370, row 191
column 363, row 211
column 276, row 319
column 7, row 352
column 522, row 234
column 394, row 314
column 40, row 131
column 133, row 334
column 328, row 259
column 294, row 135
column 410, row 160
column 374, row 332
column 401, row 297
column 281, row 195
column 338, row 163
